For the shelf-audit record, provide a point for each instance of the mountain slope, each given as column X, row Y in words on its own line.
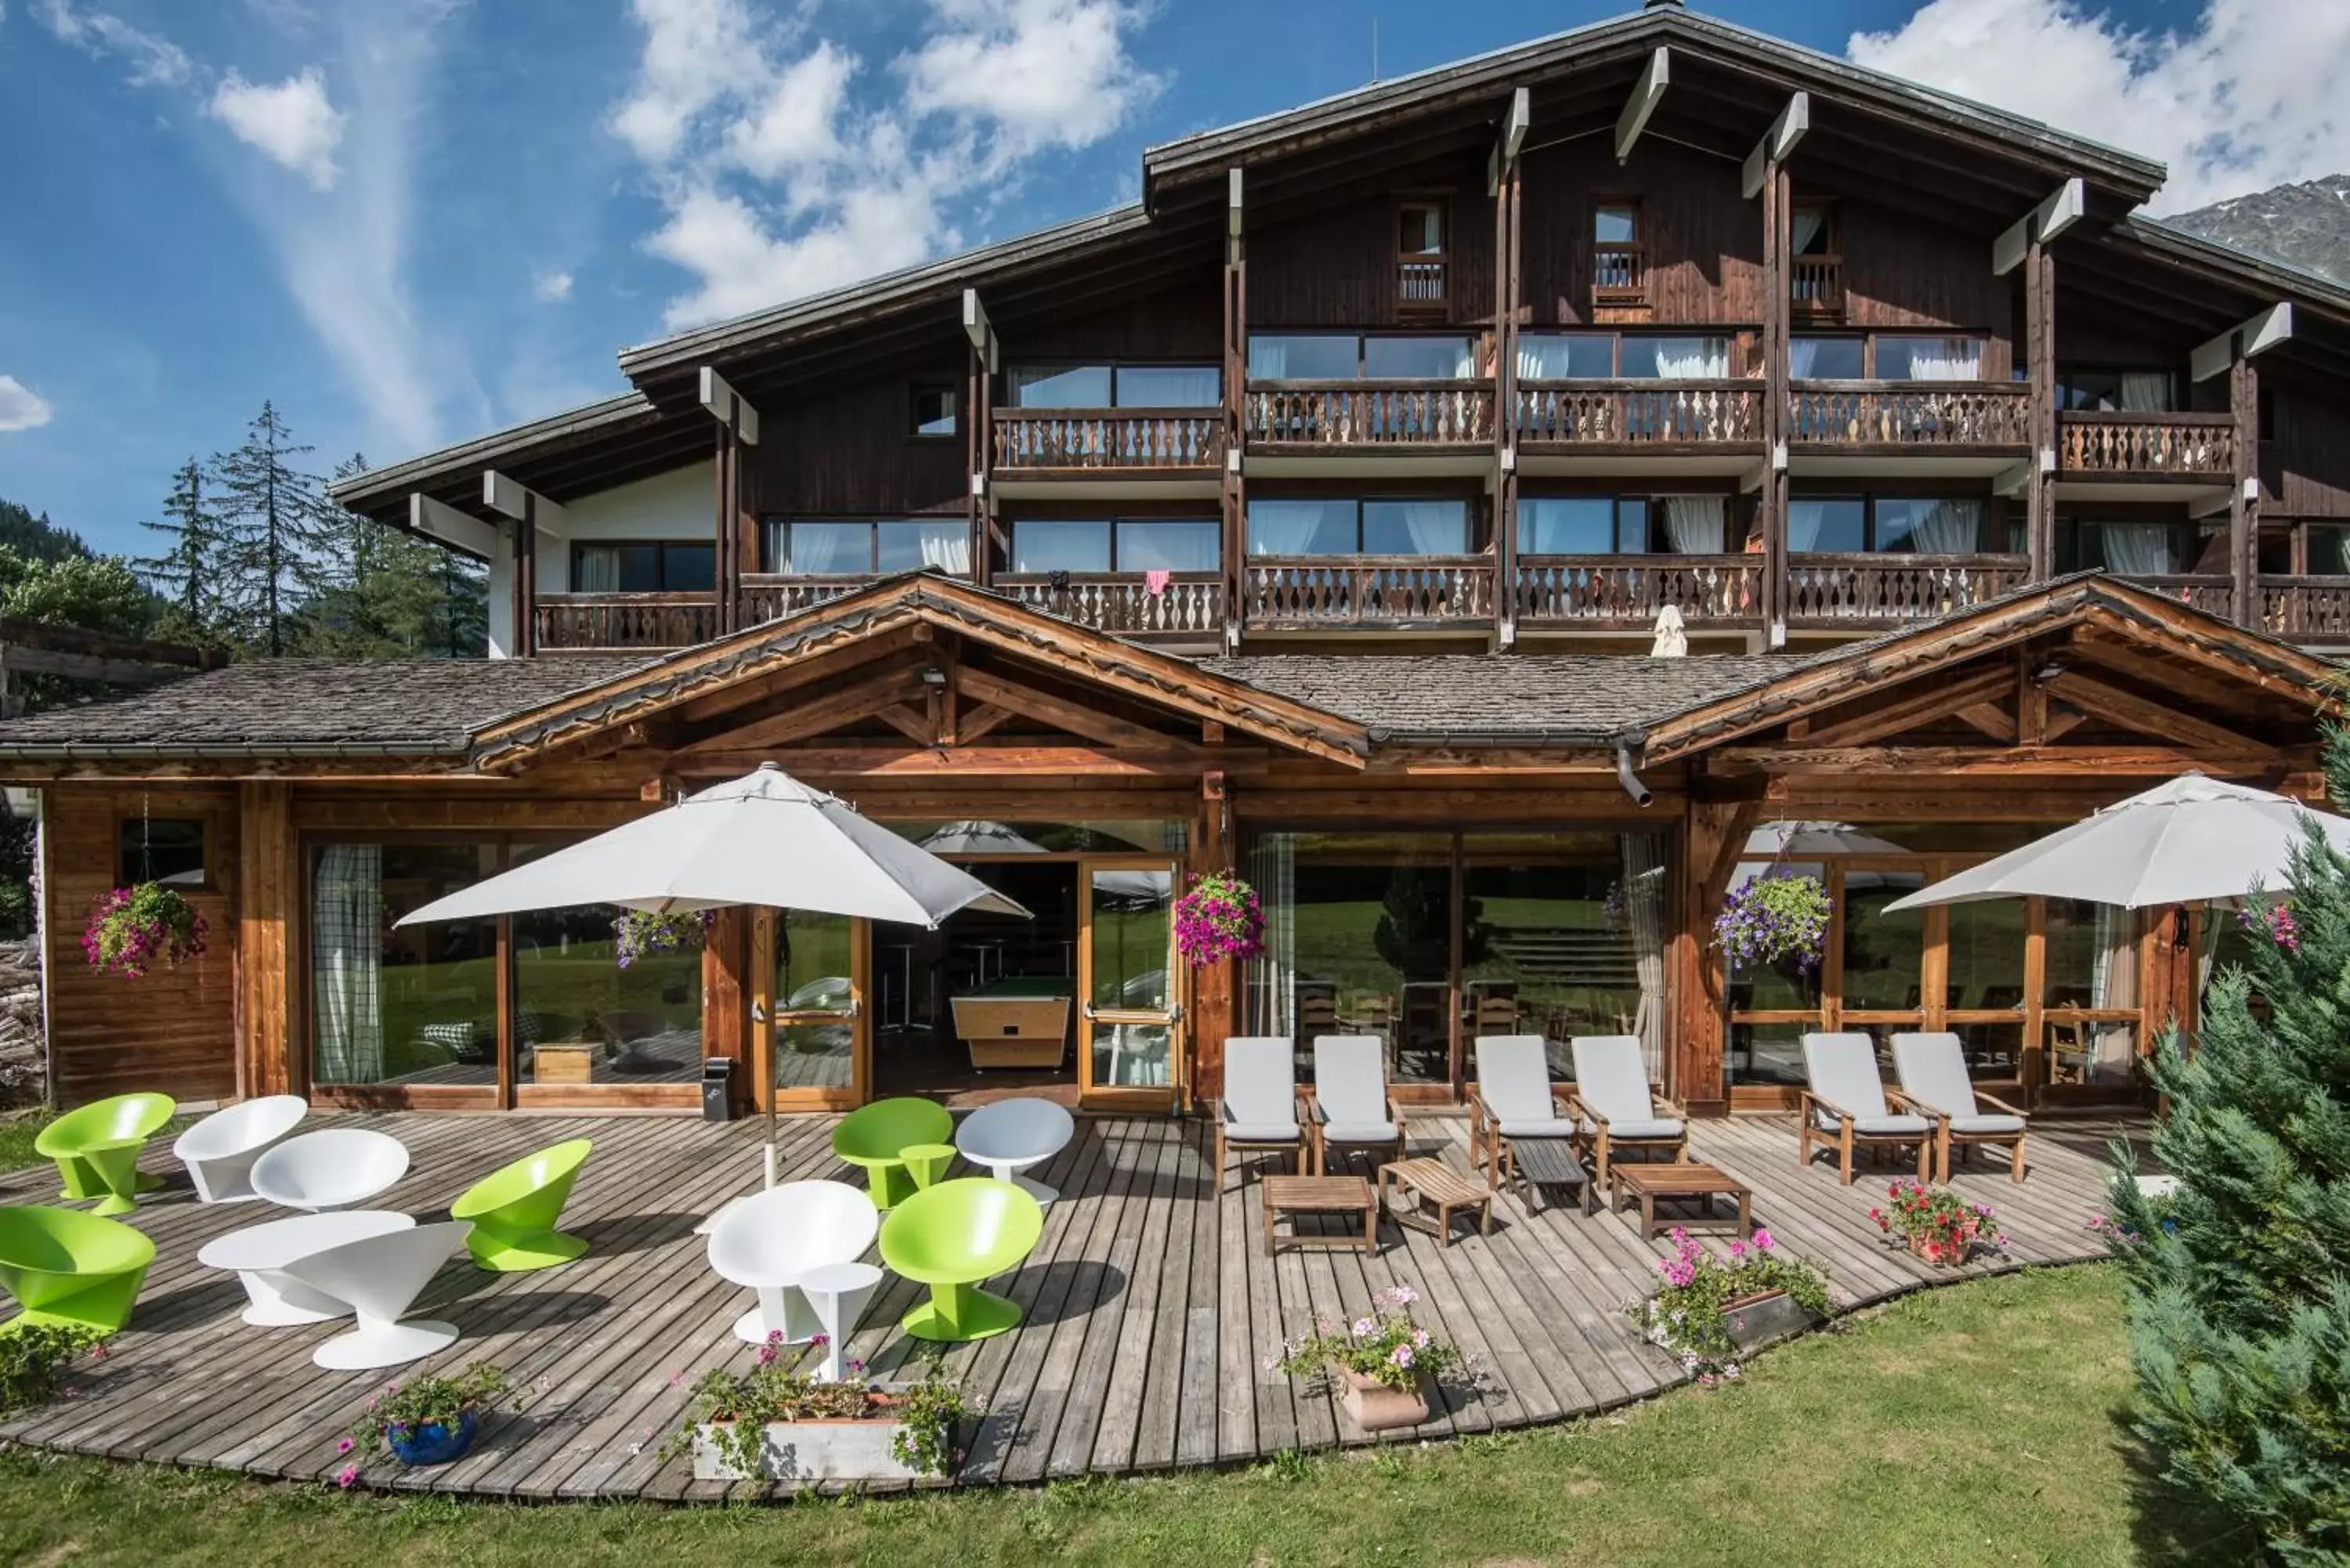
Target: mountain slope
column 2305, row 225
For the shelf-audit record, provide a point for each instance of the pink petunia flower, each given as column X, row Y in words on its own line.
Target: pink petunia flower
column 347, row 1477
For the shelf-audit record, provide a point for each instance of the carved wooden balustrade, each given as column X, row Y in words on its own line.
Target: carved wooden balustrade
column 771, row 596
column 1366, row 590
column 1639, row 413
column 1910, row 414
column 1625, row 592
column 1620, row 273
column 1191, row 603
column 2210, row 594
column 2147, row 443
column 1387, row 414
column 1884, row 589
column 573, row 622
column 1420, row 282
column 1065, row 441
column 1815, row 285
column 2307, row 609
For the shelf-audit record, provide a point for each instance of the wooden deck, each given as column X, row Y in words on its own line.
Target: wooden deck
column 1151, row 1305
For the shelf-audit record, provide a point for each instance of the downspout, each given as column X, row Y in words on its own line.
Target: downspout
column 1642, row 795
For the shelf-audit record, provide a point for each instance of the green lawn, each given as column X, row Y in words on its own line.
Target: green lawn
column 1975, row 1424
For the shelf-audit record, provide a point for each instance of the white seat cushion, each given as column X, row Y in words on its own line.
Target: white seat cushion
column 1878, row 1126
column 1360, row 1132
column 1842, row 1070
column 1259, row 1083
column 1649, row 1126
column 1546, row 1126
column 1933, row 1072
column 1513, row 1078
column 1987, row 1122
column 1261, row 1132
column 1612, row 1077
column 1350, row 1080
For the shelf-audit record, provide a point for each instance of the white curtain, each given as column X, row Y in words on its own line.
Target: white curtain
column 1277, row 530
column 1644, row 917
column 1803, row 359
column 1435, row 527
column 1946, row 360
column 1272, row 978
column 2340, row 552
column 1696, row 524
column 1693, row 358
column 813, row 548
column 1949, row 528
column 1803, row 519
column 1544, row 359
column 346, row 964
column 2113, row 982
column 2139, row 549
column 1268, row 359
column 2146, row 391
column 599, row 570
column 947, row 550
column 1803, row 227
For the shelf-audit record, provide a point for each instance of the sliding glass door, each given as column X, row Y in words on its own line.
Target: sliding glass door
column 1129, row 1029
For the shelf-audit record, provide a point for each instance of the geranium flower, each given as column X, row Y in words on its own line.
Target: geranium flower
column 347, row 1477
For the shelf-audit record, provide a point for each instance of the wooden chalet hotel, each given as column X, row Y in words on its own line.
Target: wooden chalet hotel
column 1315, row 517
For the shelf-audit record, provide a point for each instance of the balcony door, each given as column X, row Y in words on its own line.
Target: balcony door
column 1129, row 1027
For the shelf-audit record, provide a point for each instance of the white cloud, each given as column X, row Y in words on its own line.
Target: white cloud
column 785, row 167
column 2247, row 98
column 551, row 287
column 292, row 122
column 153, row 61
column 21, row 407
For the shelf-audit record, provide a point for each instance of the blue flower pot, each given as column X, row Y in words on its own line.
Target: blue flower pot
column 434, row 1442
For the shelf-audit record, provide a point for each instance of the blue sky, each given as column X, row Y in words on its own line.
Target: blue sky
column 413, row 220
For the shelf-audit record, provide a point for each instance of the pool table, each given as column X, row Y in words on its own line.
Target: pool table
column 1018, row 1021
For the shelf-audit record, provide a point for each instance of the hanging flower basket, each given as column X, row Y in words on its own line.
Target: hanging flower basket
column 1767, row 920
column 1218, row 918
column 639, row 933
column 130, row 928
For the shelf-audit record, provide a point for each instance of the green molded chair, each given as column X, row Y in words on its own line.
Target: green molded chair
column 97, row 1147
column 951, row 1236
column 72, row 1269
column 878, row 1136
column 514, row 1210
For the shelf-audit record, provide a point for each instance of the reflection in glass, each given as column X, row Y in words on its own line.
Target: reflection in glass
column 1132, row 942
column 1060, row 386
column 1299, row 527
column 416, row 1005
column 580, row 1018
column 1567, row 524
column 1372, row 939
column 1838, row 527
column 1041, row 545
column 2091, row 966
column 1881, row 951
column 1567, row 937
column 1303, row 356
column 1420, row 358
column 816, row 1030
column 1168, row 545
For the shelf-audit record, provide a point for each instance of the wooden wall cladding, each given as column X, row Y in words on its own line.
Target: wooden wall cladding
column 1185, row 323
column 1338, row 268
column 174, row 1030
column 2305, row 468
column 1703, row 240
column 1901, row 271
column 851, row 449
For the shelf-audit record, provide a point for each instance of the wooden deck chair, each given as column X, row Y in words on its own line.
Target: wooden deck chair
column 1349, row 1104
column 1933, row 1073
column 1617, row 1110
column 1258, row 1110
column 1511, row 1098
column 1844, row 1106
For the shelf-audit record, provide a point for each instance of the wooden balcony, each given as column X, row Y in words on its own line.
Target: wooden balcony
column 2210, row 594
column 1815, row 286
column 1910, row 416
column 1624, row 593
column 575, row 623
column 1619, row 274
column 771, row 596
column 1330, row 592
column 1379, row 416
column 1877, row 590
column 1659, row 416
column 1420, row 285
column 1192, row 605
column 1094, row 441
column 2307, row 609
column 2159, row 445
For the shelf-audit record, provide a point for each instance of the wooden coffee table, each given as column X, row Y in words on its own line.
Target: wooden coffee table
column 1543, row 1162
column 1697, row 1183
column 1437, row 1185
column 1296, row 1195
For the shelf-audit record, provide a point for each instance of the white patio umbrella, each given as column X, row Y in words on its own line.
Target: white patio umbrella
column 1792, row 848
column 764, row 839
column 2192, row 840
column 972, row 836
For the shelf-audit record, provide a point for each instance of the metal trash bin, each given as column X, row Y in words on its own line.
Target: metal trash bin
column 717, row 1089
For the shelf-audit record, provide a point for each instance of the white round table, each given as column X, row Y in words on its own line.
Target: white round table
column 259, row 1254
column 837, row 1294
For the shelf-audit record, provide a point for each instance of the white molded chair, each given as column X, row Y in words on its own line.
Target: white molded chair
column 1010, row 1136
column 1258, row 1110
column 259, row 1255
column 837, row 1294
column 219, row 1150
column 381, row 1277
column 1351, row 1103
column 1933, row 1073
column 1844, row 1106
column 1512, row 1097
column 770, row 1240
column 331, row 1169
column 1616, row 1108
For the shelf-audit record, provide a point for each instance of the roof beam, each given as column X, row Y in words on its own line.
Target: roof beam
column 728, row 405
column 439, row 520
column 2060, row 212
column 1513, row 137
column 1777, row 142
column 979, row 328
column 1647, row 93
column 510, row 497
column 2256, row 335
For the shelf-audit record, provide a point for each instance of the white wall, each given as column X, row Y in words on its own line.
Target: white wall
column 679, row 505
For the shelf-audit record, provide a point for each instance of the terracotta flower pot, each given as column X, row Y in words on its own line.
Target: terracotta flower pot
column 1940, row 1252
column 1374, row 1407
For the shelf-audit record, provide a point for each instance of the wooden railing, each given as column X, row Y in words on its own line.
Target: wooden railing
column 1911, row 413
column 1420, row 281
column 1122, row 602
column 572, row 622
column 1619, row 273
column 1371, row 414
column 2147, row 443
column 2211, row 595
column 1815, row 285
column 1366, row 590
column 1639, row 413
column 1887, row 589
column 1626, row 591
column 2307, row 609
column 1063, row 440
column 771, row 596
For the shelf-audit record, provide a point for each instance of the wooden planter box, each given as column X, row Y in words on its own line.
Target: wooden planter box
column 1374, row 1407
column 565, row 1064
column 801, row 1453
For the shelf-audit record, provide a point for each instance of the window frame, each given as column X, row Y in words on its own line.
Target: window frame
column 871, row 522
column 1116, row 369
column 1476, row 341
column 143, row 822
column 1469, row 513
column 1870, row 500
column 1115, row 522
column 916, row 392
column 1738, row 521
column 661, row 550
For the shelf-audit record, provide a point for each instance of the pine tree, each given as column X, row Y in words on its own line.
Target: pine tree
column 187, row 573
column 2239, row 1285
column 274, row 522
column 383, row 593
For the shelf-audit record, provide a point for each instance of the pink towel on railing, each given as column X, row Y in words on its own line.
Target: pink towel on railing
column 1156, row 583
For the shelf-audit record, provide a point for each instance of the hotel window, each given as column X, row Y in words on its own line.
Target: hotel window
column 934, row 410
column 1827, row 359
column 2110, row 391
column 817, row 547
column 1419, row 255
column 1631, row 357
column 1042, row 545
column 1113, row 386
column 1939, row 358
column 1346, row 357
column 1434, row 527
column 1627, row 525
column 1616, row 266
column 644, row 567
column 414, row 1005
column 2328, row 551
column 1922, row 525
column 2128, row 547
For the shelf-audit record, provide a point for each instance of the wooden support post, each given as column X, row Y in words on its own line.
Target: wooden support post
column 526, row 586
column 725, row 998
column 726, row 576
column 2244, row 504
column 1214, row 989
column 978, row 434
column 2040, row 369
column 1235, row 480
column 1506, row 193
column 1778, row 246
column 268, row 883
column 1713, row 832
